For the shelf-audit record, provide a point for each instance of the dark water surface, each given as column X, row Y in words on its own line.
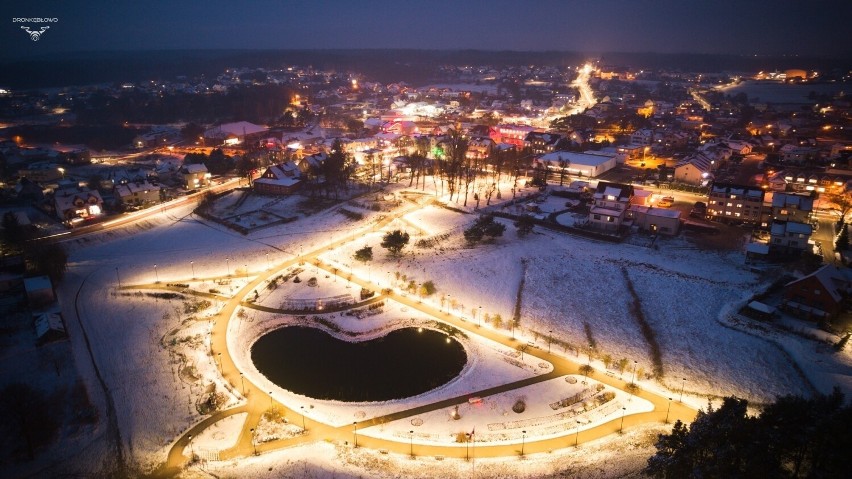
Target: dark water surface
column 404, row 363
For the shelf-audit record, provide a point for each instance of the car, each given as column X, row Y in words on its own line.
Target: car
column 666, row 202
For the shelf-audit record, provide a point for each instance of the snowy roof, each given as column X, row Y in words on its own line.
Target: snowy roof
column 128, row 189
column 194, row 168
column 835, row 280
column 37, row 283
column 576, row 159
column 47, row 322
column 802, row 202
column 238, row 128
column 597, row 210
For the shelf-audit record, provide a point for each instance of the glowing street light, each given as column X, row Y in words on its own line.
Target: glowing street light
column 635, row 363
column 523, row 441
column 411, row 443
column 192, row 265
column 623, row 412
column 243, row 383
column 577, row 435
column 682, row 385
column 667, row 411
column 156, row 276
column 191, row 447
column 303, row 417
column 219, row 355
column 549, row 339
column 253, row 444
column 480, row 316
column 355, row 425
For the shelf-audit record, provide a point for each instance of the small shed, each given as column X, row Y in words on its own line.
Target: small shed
column 49, row 327
column 758, row 310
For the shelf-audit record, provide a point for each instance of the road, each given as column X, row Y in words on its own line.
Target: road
column 130, row 218
column 259, row 401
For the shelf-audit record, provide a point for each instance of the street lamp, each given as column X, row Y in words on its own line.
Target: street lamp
column 355, row 424
column 271, row 404
column 682, row 385
column 243, row 383
column 635, row 363
column 191, row 448
column 577, row 435
column 192, row 265
column 156, row 276
column 467, row 447
column 303, row 417
column 549, row 339
column 219, row 355
column 667, row 411
column 623, row 412
column 523, row 441
column 480, row 316
column 253, row 444
column 411, row 443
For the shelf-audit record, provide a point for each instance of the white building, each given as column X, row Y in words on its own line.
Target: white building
column 579, row 164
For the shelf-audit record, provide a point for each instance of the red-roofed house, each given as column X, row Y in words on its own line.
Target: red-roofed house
column 819, row 295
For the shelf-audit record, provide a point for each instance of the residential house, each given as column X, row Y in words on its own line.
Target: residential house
column 653, row 220
column 137, row 193
column 696, row 169
column 736, row 203
column 611, row 201
column 195, row 175
column 789, row 237
column 77, row 204
column 541, row 143
column 819, row 295
column 282, row 179
column 792, row 207
column 642, row 137
column 479, row 147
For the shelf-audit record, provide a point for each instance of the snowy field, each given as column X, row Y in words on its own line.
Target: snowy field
column 574, row 287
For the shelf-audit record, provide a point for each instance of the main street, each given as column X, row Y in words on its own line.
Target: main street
column 259, row 400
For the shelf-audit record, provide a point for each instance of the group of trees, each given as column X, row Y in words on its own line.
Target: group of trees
column 40, row 258
column 484, row 227
column 793, row 437
column 217, row 162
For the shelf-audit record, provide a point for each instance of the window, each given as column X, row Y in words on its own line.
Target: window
column 730, row 204
column 610, row 219
column 739, row 205
column 597, row 217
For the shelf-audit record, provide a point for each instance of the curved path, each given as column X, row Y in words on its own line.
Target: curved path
column 259, row 401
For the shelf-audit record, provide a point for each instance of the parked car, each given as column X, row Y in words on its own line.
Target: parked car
column 666, row 202
column 699, row 210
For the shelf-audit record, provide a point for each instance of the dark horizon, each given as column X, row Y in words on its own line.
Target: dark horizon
column 383, row 65
column 758, row 27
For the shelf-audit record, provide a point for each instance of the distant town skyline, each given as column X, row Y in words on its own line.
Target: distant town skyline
column 760, row 27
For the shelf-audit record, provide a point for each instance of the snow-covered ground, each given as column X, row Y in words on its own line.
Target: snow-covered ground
column 574, row 290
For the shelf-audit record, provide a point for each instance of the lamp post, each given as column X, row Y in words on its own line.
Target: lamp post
column 192, row 265
column 271, row 404
column 577, row 435
column 549, row 339
column 480, row 316
column 623, row 412
column 355, row 425
column 633, row 381
column 449, row 302
column 303, row 417
column 667, row 411
column 191, row 448
column 253, row 444
column 219, row 356
column 243, row 383
column 682, row 385
column 467, row 447
column 156, row 276
column 523, row 441
column 411, row 443
column 118, row 277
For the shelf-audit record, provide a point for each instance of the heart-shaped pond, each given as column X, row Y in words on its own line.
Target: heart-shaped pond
column 403, row 363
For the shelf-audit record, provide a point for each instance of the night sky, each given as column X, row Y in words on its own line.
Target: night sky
column 811, row 28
